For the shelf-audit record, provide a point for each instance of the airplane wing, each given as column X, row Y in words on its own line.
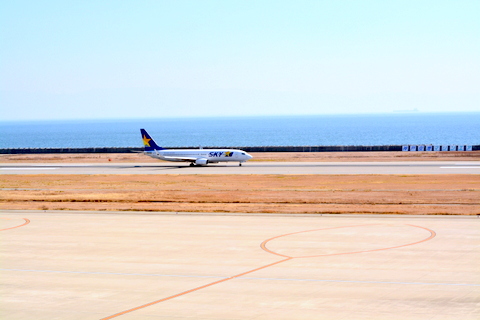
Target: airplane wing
column 190, row 159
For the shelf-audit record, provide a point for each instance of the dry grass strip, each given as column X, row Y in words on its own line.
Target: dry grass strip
column 400, row 194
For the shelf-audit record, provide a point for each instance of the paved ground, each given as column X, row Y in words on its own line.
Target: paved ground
column 404, row 167
column 59, row 265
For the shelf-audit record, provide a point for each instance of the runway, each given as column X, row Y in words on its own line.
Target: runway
column 127, row 265
column 411, row 167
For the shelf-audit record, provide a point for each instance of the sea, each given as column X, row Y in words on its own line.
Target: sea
column 313, row 130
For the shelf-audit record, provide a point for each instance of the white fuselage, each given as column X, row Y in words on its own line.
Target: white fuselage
column 200, row 156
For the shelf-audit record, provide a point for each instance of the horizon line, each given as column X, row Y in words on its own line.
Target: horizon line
column 394, row 112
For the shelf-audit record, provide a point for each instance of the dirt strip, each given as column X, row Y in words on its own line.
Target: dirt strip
column 393, row 194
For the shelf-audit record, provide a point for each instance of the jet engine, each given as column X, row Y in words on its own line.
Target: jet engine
column 201, row 162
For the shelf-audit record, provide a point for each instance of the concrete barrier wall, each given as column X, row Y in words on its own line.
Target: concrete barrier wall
column 248, row 149
column 320, row 148
column 70, row 150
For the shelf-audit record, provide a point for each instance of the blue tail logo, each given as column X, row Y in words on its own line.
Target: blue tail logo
column 148, row 142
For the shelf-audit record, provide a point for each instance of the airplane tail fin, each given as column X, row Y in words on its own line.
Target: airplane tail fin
column 148, row 142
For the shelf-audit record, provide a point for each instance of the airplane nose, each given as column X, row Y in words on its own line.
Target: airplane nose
column 249, row 156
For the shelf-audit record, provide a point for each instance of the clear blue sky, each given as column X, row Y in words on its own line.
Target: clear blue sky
column 124, row 59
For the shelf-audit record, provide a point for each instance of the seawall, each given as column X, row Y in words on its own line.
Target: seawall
column 248, row 149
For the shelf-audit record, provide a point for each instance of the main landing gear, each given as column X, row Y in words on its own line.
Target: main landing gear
column 240, row 164
column 192, row 164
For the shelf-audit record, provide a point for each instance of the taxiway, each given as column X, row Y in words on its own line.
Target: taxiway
column 135, row 265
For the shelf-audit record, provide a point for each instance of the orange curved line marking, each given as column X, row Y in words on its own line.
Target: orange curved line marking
column 192, row 290
column 432, row 235
column 287, row 258
column 27, row 221
column 263, row 245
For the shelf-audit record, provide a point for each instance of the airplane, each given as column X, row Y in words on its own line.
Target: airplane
column 199, row 157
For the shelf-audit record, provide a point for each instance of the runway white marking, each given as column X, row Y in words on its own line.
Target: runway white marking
column 458, row 167
column 409, row 167
column 247, row 278
column 29, row 168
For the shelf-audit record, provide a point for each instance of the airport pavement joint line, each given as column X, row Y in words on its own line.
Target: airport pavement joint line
column 286, row 258
column 27, row 221
column 248, row 278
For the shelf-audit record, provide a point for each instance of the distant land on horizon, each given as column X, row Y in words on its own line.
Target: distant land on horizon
column 414, row 111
